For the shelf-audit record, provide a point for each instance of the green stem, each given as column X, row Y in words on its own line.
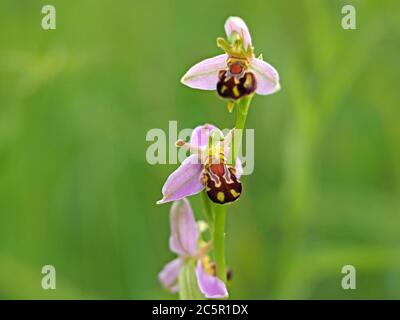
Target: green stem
column 208, row 211
column 241, row 115
column 219, row 241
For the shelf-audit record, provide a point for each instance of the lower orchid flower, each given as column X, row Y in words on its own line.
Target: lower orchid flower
column 185, row 242
column 205, row 168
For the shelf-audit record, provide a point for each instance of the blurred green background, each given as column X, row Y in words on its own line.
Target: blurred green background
column 76, row 103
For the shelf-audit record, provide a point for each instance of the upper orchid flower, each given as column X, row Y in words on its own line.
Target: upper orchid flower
column 237, row 72
column 206, row 168
column 184, row 241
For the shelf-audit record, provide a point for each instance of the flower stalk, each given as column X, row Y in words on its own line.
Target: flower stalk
column 208, row 212
column 219, row 241
column 242, row 109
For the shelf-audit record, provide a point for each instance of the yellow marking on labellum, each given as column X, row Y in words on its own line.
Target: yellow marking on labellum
column 224, row 88
column 235, row 91
column 248, row 83
column 234, row 193
column 220, row 196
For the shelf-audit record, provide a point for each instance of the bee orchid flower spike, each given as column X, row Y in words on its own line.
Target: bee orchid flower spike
column 237, row 73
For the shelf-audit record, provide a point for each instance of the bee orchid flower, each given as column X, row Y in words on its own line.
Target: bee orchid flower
column 206, row 167
column 236, row 73
column 184, row 241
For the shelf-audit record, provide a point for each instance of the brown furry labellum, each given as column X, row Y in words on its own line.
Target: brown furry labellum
column 236, row 82
column 222, row 185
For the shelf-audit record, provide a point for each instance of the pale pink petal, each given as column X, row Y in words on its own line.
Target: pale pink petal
column 184, row 232
column 169, row 274
column 236, row 24
column 266, row 75
column 184, row 181
column 204, row 75
column 201, row 134
column 239, row 168
column 210, row 286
